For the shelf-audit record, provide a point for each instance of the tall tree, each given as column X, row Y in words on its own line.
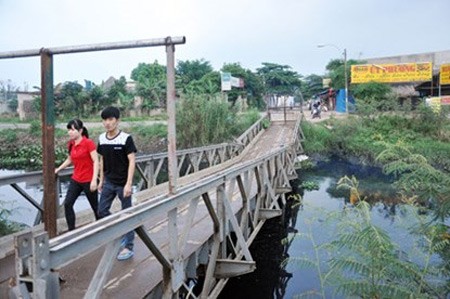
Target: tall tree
column 336, row 73
column 71, row 100
column 253, row 89
column 98, row 99
column 119, row 94
column 312, row 85
column 279, row 79
column 208, row 85
column 151, row 84
column 190, row 70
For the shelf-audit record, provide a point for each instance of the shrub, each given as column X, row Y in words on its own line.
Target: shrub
column 9, row 135
column 318, row 139
column 203, row 120
column 157, row 130
column 35, row 128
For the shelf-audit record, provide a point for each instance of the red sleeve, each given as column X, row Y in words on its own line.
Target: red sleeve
column 91, row 145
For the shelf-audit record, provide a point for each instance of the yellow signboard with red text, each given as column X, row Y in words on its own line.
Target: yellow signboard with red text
column 391, row 73
column 444, row 77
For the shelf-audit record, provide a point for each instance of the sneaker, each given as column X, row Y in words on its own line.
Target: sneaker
column 125, row 254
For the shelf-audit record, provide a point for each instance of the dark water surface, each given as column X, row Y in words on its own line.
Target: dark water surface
column 272, row 279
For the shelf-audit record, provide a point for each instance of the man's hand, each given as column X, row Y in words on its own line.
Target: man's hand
column 127, row 190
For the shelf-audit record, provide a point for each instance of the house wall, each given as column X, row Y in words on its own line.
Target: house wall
column 25, row 106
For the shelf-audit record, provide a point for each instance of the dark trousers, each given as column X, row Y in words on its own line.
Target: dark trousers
column 107, row 196
column 72, row 194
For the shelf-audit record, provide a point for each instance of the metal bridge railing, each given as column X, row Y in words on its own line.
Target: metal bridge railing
column 238, row 199
column 260, row 185
column 152, row 168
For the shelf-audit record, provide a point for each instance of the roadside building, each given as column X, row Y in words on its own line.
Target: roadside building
column 25, row 105
column 419, row 89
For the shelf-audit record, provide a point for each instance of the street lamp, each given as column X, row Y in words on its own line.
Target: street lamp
column 344, row 53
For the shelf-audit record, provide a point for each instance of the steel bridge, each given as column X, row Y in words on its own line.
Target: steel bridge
column 225, row 194
column 196, row 214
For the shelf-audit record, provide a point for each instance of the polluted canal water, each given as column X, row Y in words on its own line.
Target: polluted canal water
column 286, row 244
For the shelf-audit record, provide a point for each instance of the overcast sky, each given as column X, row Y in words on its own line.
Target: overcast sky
column 249, row 32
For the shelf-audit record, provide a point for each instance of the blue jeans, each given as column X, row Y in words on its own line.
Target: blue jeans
column 107, row 196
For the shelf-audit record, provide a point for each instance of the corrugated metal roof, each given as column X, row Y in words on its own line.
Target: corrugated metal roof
column 405, row 90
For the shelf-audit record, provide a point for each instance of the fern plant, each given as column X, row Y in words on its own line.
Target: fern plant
column 364, row 262
column 370, row 265
column 417, row 177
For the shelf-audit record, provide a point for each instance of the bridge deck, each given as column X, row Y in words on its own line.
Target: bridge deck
column 134, row 278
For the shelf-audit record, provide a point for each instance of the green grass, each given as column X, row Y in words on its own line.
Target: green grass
column 363, row 138
column 11, row 119
column 157, row 130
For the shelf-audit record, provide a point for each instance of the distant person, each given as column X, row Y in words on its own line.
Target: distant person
column 83, row 156
column 117, row 165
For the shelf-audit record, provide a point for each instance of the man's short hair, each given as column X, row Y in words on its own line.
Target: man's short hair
column 110, row 112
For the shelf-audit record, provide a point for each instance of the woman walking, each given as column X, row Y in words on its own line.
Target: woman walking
column 83, row 156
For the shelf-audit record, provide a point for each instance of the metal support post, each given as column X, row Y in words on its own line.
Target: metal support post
column 346, row 80
column 171, row 125
column 48, row 143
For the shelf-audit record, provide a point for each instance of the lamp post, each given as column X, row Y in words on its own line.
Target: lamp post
column 344, row 53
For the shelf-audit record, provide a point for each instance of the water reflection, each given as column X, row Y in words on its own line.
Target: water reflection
column 270, row 279
column 270, row 250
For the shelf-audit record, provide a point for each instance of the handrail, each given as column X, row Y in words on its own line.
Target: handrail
column 35, row 177
column 257, row 126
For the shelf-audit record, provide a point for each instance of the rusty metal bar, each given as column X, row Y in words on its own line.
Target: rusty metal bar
column 48, row 143
column 153, row 248
column 97, row 47
column 27, row 197
column 171, row 126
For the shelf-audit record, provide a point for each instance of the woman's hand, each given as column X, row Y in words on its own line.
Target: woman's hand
column 93, row 186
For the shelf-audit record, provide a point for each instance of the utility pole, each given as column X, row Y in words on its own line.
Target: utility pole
column 346, row 80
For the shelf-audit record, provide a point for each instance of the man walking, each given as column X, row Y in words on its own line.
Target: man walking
column 117, row 165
